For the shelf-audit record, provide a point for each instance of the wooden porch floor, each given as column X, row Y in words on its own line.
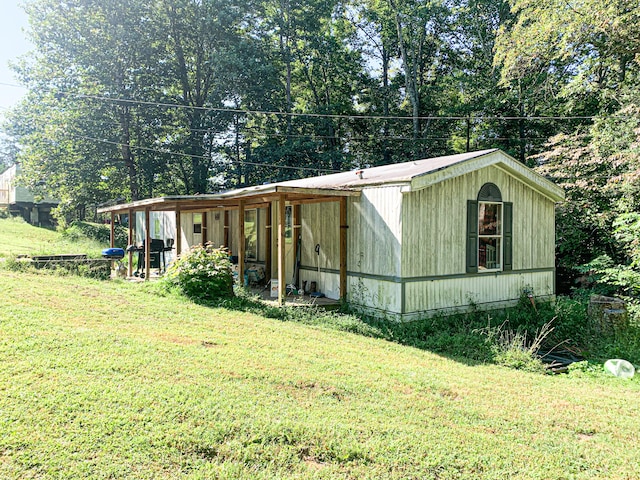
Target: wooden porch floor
column 295, row 300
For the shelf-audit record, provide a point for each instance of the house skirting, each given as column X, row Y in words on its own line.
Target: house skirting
column 405, row 299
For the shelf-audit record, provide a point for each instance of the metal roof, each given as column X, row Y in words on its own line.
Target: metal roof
column 415, row 175
column 394, row 173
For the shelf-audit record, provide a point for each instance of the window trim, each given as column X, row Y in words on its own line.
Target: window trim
column 197, row 226
column 489, row 193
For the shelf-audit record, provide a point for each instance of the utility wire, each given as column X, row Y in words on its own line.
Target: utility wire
column 13, row 85
column 312, row 136
column 188, row 155
column 334, row 116
column 242, row 162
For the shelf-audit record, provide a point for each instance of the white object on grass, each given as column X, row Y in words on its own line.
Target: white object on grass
column 619, row 368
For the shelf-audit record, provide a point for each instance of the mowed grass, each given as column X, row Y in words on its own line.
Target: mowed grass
column 17, row 237
column 109, row 380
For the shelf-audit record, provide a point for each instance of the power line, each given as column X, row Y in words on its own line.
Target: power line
column 312, row 136
column 188, row 155
column 337, row 116
column 13, row 85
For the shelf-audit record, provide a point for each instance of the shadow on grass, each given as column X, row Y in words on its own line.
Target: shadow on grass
column 458, row 337
column 467, row 338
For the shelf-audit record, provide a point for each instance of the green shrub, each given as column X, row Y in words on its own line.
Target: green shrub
column 515, row 348
column 519, row 359
column 90, row 268
column 203, row 274
column 586, row 369
column 96, row 231
column 15, row 263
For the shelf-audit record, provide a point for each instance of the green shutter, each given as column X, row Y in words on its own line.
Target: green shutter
column 472, row 236
column 507, row 225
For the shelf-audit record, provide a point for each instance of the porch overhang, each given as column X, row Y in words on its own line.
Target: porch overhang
column 263, row 196
column 251, row 196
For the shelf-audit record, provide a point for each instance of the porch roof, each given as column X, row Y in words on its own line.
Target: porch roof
column 250, row 196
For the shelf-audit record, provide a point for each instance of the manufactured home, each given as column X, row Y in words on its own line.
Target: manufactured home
column 400, row 241
column 21, row 201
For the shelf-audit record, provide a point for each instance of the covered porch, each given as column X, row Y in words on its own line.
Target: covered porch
column 262, row 226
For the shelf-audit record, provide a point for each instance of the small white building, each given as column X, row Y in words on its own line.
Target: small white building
column 21, row 201
column 400, row 241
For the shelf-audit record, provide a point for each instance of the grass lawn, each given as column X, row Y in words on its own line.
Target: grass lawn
column 109, row 380
column 17, row 237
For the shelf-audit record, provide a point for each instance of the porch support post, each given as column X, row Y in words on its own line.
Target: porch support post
column 268, row 242
column 112, row 231
column 281, row 252
column 297, row 227
column 147, row 244
column 130, row 240
column 178, row 238
column 343, row 248
column 241, row 245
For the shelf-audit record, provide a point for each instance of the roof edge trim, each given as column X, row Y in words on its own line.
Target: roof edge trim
column 495, row 157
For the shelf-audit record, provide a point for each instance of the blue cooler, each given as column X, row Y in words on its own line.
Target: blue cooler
column 113, row 253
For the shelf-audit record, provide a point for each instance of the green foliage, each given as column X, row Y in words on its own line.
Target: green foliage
column 325, row 62
column 203, row 274
column 97, row 269
column 14, row 263
column 625, row 345
column 626, row 229
column 519, row 359
column 586, row 368
column 515, row 349
column 610, row 278
column 587, row 47
column 97, row 231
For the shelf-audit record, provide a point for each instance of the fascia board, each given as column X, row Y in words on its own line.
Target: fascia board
column 499, row 159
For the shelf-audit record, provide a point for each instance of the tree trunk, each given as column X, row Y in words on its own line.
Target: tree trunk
column 127, row 156
column 410, row 72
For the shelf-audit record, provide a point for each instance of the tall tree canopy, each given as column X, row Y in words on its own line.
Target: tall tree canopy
column 141, row 98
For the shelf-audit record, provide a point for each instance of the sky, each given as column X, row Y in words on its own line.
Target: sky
column 13, row 43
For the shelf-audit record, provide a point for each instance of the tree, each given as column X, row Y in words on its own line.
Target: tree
column 586, row 56
column 87, row 52
column 584, row 51
column 8, row 152
column 204, row 43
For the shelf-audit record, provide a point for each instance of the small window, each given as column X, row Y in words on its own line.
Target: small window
column 489, row 236
column 197, row 223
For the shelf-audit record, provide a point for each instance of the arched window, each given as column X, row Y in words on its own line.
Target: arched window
column 489, row 231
